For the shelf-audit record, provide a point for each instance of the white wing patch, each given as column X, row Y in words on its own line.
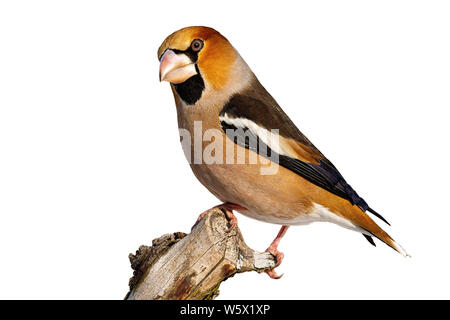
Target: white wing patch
column 270, row 138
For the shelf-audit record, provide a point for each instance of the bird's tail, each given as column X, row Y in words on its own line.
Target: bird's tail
column 370, row 228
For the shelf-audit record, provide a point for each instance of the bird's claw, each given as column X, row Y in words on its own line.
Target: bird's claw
column 279, row 258
column 232, row 220
column 272, row 273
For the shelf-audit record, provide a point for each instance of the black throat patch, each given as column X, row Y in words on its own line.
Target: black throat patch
column 191, row 90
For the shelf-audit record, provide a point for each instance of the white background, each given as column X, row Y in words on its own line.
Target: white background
column 91, row 166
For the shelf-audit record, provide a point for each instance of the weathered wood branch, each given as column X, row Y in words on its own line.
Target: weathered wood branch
column 192, row 266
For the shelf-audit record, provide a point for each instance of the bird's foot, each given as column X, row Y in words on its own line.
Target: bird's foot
column 273, row 249
column 227, row 208
column 279, row 257
column 232, row 220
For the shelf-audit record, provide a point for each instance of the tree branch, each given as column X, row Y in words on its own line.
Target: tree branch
column 179, row 266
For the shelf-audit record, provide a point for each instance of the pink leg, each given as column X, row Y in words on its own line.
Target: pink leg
column 227, row 209
column 273, row 249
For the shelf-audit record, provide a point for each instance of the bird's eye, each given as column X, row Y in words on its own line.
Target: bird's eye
column 197, row 45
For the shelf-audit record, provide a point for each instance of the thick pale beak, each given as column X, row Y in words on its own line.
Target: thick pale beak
column 175, row 68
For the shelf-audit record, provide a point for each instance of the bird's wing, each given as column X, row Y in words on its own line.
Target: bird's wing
column 245, row 117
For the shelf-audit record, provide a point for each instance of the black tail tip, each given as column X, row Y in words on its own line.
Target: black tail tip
column 369, row 238
column 379, row 216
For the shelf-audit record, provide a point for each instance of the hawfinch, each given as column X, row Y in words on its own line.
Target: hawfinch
column 245, row 150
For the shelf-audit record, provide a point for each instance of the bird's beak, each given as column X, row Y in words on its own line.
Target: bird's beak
column 175, row 68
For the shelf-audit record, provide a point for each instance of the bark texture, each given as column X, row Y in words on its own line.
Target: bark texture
column 192, row 266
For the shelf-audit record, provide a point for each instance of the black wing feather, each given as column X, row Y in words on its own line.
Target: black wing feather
column 324, row 174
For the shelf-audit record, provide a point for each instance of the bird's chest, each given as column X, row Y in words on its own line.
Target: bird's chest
column 199, row 132
column 209, row 152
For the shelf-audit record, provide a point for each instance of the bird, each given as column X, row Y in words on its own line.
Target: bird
column 271, row 172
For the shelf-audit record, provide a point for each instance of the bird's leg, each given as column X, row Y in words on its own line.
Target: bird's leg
column 227, row 208
column 273, row 249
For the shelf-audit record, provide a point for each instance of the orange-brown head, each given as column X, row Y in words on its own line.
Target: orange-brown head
column 195, row 57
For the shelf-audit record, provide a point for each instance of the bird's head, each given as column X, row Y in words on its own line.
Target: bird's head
column 195, row 59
